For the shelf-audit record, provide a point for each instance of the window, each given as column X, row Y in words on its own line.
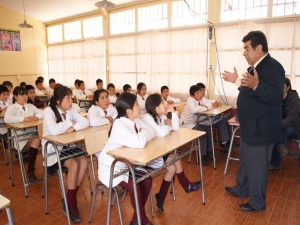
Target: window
column 55, row 34
column 72, row 30
column 153, row 17
column 193, row 13
column 245, row 9
column 122, row 22
column 92, row 27
column 285, row 7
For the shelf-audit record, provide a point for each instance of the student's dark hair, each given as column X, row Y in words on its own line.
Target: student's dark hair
column 110, row 85
column 29, row 87
column 287, row 83
column 193, row 89
column 126, row 87
column 19, row 91
column 125, row 101
column 23, row 84
column 3, row 89
column 80, row 82
column 58, row 85
column 38, row 82
column 52, row 81
column 76, row 81
column 40, row 78
column 97, row 94
column 257, row 38
column 98, row 81
column 139, row 86
column 151, row 103
column 163, row 88
column 7, row 83
column 201, row 85
column 58, row 95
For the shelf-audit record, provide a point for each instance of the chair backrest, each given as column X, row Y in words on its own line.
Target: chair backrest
column 74, row 99
column 179, row 109
column 95, row 142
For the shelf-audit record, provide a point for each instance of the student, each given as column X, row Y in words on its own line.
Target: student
column 20, row 111
column 60, row 118
column 142, row 96
column 205, row 101
column 112, row 93
column 157, row 119
column 9, row 86
column 3, row 106
column 127, row 88
column 75, row 106
column 32, row 99
column 101, row 112
column 42, row 79
column 51, row 87
column 99, row 84
column 39, row 89
column 23, row 84
column 82, row 93
column 74, row 91
column 127, row 130
column 165, row 95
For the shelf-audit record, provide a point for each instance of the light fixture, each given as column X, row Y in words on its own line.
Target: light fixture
column 105, row 4
column 25, row 24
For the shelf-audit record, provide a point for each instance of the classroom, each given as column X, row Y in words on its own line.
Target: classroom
column 205, row 93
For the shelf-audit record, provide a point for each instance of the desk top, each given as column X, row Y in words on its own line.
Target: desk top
column 70, row 138
column 157, row 147
column 84, row 114
column 217, row 111
column 176, row 104
column 85, row 99
column 2, row 115
column 24, row 125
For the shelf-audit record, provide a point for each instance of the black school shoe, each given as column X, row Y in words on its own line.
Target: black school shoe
column 159, row 203
column 195, row 188
column 74, row 218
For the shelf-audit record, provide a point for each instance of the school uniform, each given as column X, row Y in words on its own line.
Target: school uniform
column 80, row 94
column 15, row 114
column 112, row 99
column 123, row 133
column 50, row 127
column 3, row 129
column 141, row 101
column 76, row 107
column 169, row 98
column 10, row 99
column 49, row 90
column 96, row 115
column 36, row 102
column 74, row 91
column 39, row 92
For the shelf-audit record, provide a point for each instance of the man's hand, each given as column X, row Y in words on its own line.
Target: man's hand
column 230, row 77
column 250, row 81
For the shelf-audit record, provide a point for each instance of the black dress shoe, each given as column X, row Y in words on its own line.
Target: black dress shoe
column 230, row 191
column 197, row 185
column 159, row 203
column 204, row 161
column 225, row 147
column 247, row 208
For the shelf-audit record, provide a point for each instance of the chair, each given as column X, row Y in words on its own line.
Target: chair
column 179, row 109
column 4, row 150
column 5, row 203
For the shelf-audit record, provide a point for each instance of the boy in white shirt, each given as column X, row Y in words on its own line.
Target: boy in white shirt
column 165, row 95
column 99, row 85
column 112, row 93
column 39, row 88
column 9, row 86
column 82, row 93
column 74, row 91
column 127, row 88
column 51, row 87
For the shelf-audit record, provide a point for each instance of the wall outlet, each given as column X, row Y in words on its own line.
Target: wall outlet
column 18, row 76
column 211, row 67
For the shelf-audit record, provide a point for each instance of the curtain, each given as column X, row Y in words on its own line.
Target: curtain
column 83, row 60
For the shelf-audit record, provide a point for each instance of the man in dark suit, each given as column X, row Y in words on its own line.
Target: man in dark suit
column 259, row 113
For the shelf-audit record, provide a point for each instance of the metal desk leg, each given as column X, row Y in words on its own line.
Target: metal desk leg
column 230, row 149
column 201, row 173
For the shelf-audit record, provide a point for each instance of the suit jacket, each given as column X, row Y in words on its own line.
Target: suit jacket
column 260, row 111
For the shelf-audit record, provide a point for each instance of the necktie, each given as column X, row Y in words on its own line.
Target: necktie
column 250, row 70
column 4, row 103
column 23, row 107
column 105, row 112
column 199, row 103
column 64, row 115
column 143, row 98
column 83, row 92
column 136, row 130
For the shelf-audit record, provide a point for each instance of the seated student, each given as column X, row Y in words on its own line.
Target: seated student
column 157, row 119
column 290, row 124
column 142, row 96
column 127, row 130
column 112, row 95
column 9, row 86
column 42, row 79
column 101, row 112
column 3, row 106
column 75, row 106
column 99, row 84
column 51, row 87
column 23, row 84
column 188, row 119
column 39, row 89
column 164, row 90
column 75, row 90
column 20, row 111
column 82, row 92
column 60, row 118
column 127, row 88
column 32, row 99
column 205, row 101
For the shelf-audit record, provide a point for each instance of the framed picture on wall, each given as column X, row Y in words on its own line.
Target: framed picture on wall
column 10, row 40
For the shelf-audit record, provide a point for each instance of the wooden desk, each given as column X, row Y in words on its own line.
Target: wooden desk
column 24, row 125
column 84, row 114
column 176, row 104
column 2, row 115
column 154, row 149
column 209, row 115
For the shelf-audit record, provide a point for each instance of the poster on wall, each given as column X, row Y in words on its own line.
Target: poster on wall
column 10, row 40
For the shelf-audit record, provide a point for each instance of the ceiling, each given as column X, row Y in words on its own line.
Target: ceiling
column 51, row 10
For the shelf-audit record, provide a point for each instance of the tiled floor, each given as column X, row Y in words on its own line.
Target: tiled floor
column 283, row 199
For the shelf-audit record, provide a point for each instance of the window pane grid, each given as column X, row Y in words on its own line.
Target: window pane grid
column 55, row 34
column 92, row 27
column 153, row 17
column 285, row 7
column 122, row 22
column 72, row 30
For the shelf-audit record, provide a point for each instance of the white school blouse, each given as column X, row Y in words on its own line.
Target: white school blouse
column 141, row 102
column 50, row 127
column 79, row 95
column 112, row 99
column 190, row 113
column 3, row 129
column 122, row 134
column 49, row 90
column 207, row 102
column 169, row 98
column 96, row 115
column 16, row 114
column 39, row 92
column 10, row 99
